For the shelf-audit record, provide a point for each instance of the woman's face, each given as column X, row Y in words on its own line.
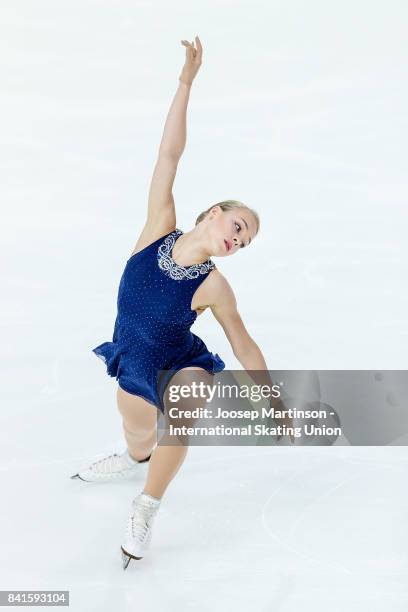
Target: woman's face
column 231, row 230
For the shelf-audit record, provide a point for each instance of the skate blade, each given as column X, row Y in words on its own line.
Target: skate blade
column 126, row 558
column 77, row 476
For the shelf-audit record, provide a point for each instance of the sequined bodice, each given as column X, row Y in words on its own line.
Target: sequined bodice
column 174, row 270
column 155, row 294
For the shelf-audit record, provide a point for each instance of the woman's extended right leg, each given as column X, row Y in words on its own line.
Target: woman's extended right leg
column 139, row 420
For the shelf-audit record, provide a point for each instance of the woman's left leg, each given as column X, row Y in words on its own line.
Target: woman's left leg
column 166, row 460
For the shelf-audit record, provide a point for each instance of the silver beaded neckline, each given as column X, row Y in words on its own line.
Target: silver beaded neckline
column 174, row 270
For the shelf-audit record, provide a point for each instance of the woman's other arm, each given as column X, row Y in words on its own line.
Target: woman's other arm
column 244, row 347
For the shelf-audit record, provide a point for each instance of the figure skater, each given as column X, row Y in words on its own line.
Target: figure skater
column 169, row 279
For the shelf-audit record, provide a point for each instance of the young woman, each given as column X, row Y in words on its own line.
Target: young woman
column 169, row 279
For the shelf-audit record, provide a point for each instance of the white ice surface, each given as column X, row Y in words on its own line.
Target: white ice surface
column 299, row 111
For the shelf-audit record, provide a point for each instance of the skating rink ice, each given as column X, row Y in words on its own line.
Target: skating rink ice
column 299, row 110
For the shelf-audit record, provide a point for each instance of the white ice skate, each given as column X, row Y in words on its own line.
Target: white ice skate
column 139, row 528
column 113, row 467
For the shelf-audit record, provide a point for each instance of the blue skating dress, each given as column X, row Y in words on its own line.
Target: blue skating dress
column 152, row 327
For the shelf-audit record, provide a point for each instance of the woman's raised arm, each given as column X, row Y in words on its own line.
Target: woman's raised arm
column 161, row 202
column 174, row 133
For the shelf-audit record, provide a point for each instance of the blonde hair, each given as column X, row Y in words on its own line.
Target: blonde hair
column 229, row 205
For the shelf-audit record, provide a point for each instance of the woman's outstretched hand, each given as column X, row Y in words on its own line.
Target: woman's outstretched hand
column 285, row 421
column 193, row 61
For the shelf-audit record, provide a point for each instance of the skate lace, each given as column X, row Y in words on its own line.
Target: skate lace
column 108, row 464
column 141, row 519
